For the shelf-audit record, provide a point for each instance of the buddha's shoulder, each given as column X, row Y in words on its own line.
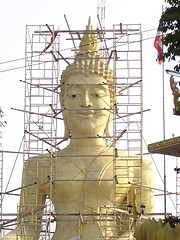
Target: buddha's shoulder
column 107, row 152
column 45, row 159
column 38, row 161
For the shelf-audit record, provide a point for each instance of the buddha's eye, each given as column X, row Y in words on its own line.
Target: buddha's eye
column 98, row 94
column 73, row 95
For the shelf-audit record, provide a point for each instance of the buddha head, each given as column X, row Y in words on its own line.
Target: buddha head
column 87, row 90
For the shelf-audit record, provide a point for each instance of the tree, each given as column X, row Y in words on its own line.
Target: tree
column 171, row 30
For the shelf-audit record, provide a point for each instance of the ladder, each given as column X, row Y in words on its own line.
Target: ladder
column 177, row 169
column 1, row 180
column 40, row 109
column 41, row 85
column 2, row 124
column 128, row 118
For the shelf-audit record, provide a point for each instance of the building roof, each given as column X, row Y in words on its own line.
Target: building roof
column 168, row 147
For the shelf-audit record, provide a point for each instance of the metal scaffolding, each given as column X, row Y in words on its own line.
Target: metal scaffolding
column 2, row 124
column 42, row 116
column 1, row 164
column 128, row 120
column 101, row 7
column 1, row 180
column 41, row 88
column 127, row 129
column 177, row 169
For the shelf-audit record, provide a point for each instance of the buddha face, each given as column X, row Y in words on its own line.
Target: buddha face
column 86, row 101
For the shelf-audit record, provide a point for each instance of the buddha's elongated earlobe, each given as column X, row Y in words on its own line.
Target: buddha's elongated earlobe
column 108, row 126
column 66, row 128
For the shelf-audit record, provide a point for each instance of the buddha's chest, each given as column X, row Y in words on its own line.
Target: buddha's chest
column 84, row 181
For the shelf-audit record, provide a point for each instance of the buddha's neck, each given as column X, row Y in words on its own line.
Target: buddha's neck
column 90, row 142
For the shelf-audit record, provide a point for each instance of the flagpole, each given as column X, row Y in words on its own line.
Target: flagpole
column 164, row 129
column 164, row 136
column 158, row 44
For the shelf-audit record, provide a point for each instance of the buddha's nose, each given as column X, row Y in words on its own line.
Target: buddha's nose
column 86, row 101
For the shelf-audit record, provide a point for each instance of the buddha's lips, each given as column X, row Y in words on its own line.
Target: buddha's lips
column 86, row 112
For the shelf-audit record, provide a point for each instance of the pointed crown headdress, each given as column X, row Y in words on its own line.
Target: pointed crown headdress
column 89, row 59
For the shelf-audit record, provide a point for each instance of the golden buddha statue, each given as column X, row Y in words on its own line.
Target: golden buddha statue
column 80, row 180
column 156, row 230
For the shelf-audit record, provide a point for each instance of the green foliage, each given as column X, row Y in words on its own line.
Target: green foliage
column 173, row 221
column 171, row 29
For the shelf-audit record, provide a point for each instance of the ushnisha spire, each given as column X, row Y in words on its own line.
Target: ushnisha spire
column 88, row 59
column 89, row 42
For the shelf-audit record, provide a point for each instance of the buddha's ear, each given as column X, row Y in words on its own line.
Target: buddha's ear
column 61, row 96
column 109, row 125
column 66, row 128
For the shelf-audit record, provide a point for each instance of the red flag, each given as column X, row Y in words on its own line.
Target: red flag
column 158, row 44
column 51, row 42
